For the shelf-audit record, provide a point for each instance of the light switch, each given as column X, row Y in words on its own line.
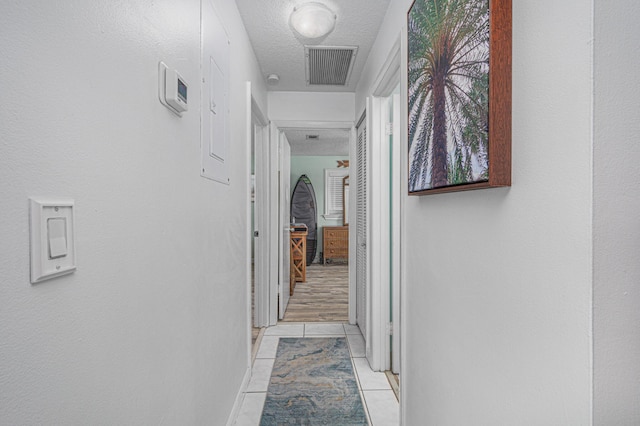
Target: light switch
column 52, row 234
column 57, row 235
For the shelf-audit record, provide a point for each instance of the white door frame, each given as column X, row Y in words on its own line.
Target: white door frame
column 275, row 128
column 403, row 172
column 256, row 133
column 248, row 236
column 284, row 220
column 385, row 226
column 259, row 126
column 274, row 222
column 396, row 236
column 377, row 241
column 378, row 345
column 353, row 217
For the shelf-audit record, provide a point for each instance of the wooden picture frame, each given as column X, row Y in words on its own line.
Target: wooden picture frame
column 459, row 113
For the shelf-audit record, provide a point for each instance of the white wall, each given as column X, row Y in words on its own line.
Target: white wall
column 311, row 106
column 497, row 324
column 616, row 199
column 151, row 329
column 387, row 38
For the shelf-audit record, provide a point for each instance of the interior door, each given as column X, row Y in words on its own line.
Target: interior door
column 261, row 231
column 259, row 143
column 285, row 224
column 361, row 228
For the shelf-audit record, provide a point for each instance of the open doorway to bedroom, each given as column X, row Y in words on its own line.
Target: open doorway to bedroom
column 319, row 178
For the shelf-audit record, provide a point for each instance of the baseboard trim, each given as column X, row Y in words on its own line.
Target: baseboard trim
column 235, row 411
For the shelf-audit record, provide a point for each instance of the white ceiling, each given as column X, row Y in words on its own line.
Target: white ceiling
column 329, row 142
column 280, row 52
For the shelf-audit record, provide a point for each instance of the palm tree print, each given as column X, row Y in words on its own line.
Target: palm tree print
column 448, row 92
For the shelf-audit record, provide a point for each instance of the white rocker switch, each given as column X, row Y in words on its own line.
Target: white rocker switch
column 57, row 237
column 52, row 238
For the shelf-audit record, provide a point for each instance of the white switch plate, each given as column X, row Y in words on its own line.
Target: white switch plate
column 52, row 232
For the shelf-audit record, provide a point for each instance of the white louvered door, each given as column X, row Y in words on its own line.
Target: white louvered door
column 361, row 229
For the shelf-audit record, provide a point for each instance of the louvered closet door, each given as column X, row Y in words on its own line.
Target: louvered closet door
column 361, row 230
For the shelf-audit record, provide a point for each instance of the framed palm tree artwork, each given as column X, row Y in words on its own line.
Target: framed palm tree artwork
column 459, row 95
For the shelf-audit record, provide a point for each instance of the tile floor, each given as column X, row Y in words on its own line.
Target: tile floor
column 379, row 400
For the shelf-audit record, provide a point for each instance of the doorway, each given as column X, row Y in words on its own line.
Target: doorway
column 319, row 176
column 378, row 245
column 317, row 296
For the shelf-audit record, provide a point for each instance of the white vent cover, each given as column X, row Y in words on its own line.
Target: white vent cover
column 329, row 65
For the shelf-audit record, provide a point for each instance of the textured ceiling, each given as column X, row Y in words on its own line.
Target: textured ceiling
column 329, row 142
column 281, row 52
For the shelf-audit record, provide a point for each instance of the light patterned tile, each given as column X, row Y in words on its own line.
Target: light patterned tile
column 365, row 405
column 251, row 409
column 383, row 407
column 260, row 375
column 323, row 329
column 268, row 347
column 352, row 329
column 370, row 380
column 286, row 330
column 314, row 336
column 356, row 345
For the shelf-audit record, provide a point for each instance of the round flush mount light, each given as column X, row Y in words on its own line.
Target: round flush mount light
column 313, row 20
column 273, row 79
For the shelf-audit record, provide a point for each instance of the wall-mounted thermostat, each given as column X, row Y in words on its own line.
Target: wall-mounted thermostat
column 172, row 89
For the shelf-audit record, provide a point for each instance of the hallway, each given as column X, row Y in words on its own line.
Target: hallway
column 379, row 400
column 518, row 305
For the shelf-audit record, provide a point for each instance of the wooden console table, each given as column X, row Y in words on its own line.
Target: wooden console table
column 335, row 242
column 299, row 254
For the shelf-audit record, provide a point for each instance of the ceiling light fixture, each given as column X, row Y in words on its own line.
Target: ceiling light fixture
column 273, row 79
column 313, row 20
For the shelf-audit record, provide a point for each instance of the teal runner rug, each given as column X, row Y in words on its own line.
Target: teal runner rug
column 312, row 383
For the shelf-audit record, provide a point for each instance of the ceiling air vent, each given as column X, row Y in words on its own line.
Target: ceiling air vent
column 312, row 137
column 329, row 65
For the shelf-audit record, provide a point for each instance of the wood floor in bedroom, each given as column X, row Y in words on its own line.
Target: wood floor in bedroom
column 324, row 297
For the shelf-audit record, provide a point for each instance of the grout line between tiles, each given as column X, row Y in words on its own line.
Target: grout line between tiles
column 365, row 406
column 360, row 391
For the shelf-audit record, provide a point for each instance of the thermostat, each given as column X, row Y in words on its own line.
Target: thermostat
column 172, row 89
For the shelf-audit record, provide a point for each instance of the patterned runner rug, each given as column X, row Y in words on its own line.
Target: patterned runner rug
column 312, row 383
